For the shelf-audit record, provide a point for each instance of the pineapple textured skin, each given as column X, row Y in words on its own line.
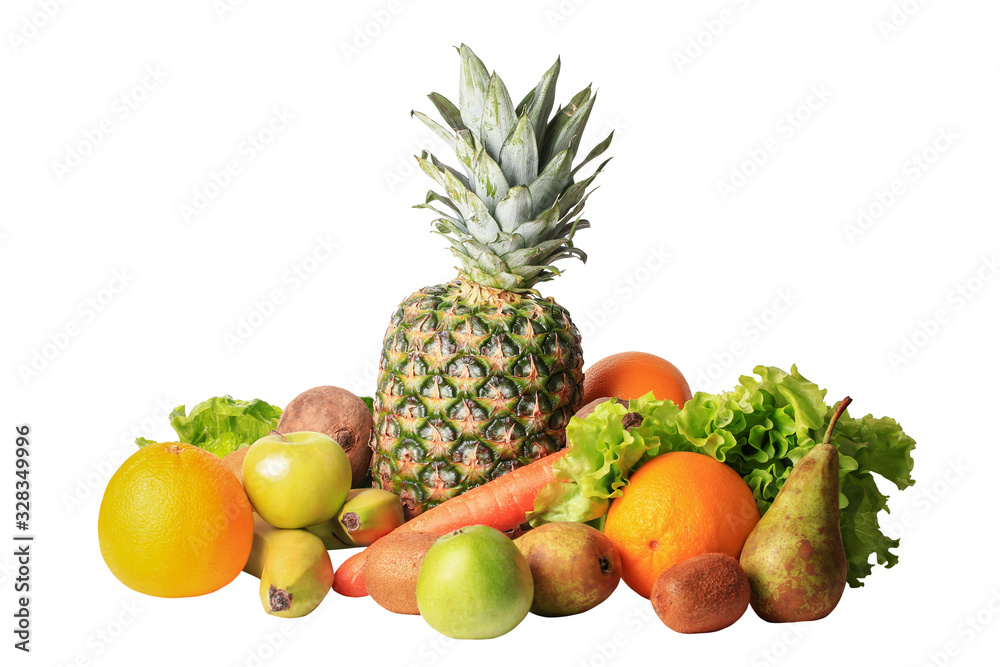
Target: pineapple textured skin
column 469, row 388
column 481, row 375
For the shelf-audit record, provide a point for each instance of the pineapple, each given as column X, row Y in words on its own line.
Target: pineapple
column 481, row 375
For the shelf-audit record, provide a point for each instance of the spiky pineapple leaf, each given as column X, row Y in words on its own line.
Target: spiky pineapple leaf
column 433, row 197
column 444, row 134
column 477, row 218
column 513, row 209
column 498, row 116
column 483, row 255
column 499, row 279
column 446, row 226
column 518, row 191
column 465, row 149
column 429, row 168
column 456, row 223
column 517, row 242
column 569, row 228
column 553, row 179
column 529, row 271
column 575, row 211
column 491, row 186
column 568, row 251
column 532, row 255
column 456, row 246
column 537, row 230
column 596, row 151
column 473, row 82
column 519, row 153
column 575, row 193
column 537, row 104
column 442, row 167
column 449, row 112
column 507, row 243
column 486, row 177
column 567, row 126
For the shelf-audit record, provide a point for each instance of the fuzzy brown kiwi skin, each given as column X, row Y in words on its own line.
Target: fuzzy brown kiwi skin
column 702, row 594
column 233, row 462
column 392, row 567
column 339, row 414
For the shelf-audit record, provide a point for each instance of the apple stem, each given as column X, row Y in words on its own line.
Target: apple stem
column 280, row 435
column 836, row 415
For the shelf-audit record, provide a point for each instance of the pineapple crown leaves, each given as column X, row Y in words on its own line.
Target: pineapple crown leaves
column 514, row 205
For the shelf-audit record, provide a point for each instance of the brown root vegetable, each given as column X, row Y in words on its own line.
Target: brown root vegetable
column 233, row 462
column 391, row 570
column 583, row 412
column 702, row 594
column 339, row 414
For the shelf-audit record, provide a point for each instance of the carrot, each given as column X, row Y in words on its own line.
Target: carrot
column 349, row 579
column 502, row 503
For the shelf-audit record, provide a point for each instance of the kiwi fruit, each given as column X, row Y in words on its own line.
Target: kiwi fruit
column 392, row 567
column 339, row 414
column 233, row 462
column 702, row 594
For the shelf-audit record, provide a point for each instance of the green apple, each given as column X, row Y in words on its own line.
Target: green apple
column 474, row 584
column 296, row 479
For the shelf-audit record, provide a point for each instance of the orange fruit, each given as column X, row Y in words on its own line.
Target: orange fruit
column 629, row 375
column 174, row 522
column 677, row 506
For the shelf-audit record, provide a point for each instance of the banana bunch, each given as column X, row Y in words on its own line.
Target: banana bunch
column 294, row 566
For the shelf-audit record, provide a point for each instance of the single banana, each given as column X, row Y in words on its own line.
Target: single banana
column 367, row 515
column 293, row 566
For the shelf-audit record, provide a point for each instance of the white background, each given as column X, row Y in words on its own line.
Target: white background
column 340, row 171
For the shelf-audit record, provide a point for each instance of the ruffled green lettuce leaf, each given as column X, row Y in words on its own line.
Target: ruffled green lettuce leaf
column 761, row 429
column 222, row 425
column 597, row 465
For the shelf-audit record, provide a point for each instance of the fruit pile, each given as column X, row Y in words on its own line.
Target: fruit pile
column 177, row 520
column 489, row 476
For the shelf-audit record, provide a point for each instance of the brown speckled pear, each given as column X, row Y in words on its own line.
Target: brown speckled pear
column 795, row 556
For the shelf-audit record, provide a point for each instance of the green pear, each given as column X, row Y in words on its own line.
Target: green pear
column 795, row 556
